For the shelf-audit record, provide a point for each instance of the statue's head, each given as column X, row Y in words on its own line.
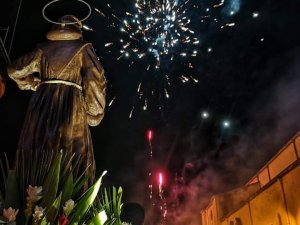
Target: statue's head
column 68, row 27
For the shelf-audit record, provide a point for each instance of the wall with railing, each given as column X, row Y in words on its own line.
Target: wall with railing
column 278, row 203
column 288, row 155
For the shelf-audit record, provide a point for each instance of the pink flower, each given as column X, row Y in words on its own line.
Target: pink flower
column 62, row 220
column 10, row 214
column 34, row 193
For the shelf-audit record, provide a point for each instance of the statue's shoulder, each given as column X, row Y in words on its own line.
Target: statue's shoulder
column 63, row 44
column 62, row 50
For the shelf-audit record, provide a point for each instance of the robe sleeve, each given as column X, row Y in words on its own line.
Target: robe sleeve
column 22, row 70
column 94, row 86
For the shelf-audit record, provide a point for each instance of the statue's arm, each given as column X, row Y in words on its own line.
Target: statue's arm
column 94, row 86
column 22, row 70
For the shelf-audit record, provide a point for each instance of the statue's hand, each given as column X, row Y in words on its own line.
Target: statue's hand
column 35, row 84
column 29, row 83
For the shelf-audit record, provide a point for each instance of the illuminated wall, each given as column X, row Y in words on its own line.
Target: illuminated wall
column 275, row 202
column 222, row 204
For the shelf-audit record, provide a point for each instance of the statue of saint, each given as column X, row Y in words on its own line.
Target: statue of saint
column 69, row 96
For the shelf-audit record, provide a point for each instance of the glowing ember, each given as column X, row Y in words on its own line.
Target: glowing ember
column 149, row 135
column 160, row 179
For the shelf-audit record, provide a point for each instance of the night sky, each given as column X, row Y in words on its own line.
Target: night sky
column 250, row 79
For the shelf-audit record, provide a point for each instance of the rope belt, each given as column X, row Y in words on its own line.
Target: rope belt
column 68, row 83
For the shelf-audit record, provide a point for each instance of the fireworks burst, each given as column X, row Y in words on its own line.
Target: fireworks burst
column 159, row 29
column 159, row 33
column 164, row 36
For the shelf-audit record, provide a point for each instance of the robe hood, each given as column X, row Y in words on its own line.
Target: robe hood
column 66, row 31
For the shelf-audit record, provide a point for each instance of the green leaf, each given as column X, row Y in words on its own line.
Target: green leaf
column 120, row 193
column 52, row 212
column 2, row 222
column 44, row 164
column 68, row 167
column 78, row 185
column 99, row 219
column 6, row 162
column 12, row 190
column 50, row 186
column 81, row 180
column 86, row 201
column 3, row 173
column 44, row 221
column 111, row 201
column 106, row 203
column 117, row 203
column 114, row 196
column 67, row 189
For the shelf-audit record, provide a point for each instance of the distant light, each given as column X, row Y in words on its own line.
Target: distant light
column 232, row 13
column 127, row 54
column 255, row 14
column 207, row 9
column 226, row 124
column 205, row 115
column 262, row 39
column 209, row 50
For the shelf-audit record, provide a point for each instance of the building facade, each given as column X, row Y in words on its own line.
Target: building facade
column 271, row 197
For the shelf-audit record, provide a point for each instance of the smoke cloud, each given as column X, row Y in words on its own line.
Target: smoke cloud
column 273, row 119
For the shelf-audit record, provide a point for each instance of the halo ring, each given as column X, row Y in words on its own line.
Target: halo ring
column 67, row 23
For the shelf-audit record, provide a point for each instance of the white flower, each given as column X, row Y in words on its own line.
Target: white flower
column 38, row 212
column 103, row 216
column 69, row 206
column 34, row 193
column 10, row 214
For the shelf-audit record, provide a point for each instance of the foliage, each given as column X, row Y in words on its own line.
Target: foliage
column 55, row 196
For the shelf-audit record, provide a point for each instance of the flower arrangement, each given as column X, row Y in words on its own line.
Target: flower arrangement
column 57, row 197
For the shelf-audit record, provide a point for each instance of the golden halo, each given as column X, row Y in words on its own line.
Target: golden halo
column 67, row 23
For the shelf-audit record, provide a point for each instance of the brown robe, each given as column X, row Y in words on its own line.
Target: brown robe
column 59, row 113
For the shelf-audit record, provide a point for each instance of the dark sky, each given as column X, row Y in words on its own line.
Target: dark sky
column 252, row 83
